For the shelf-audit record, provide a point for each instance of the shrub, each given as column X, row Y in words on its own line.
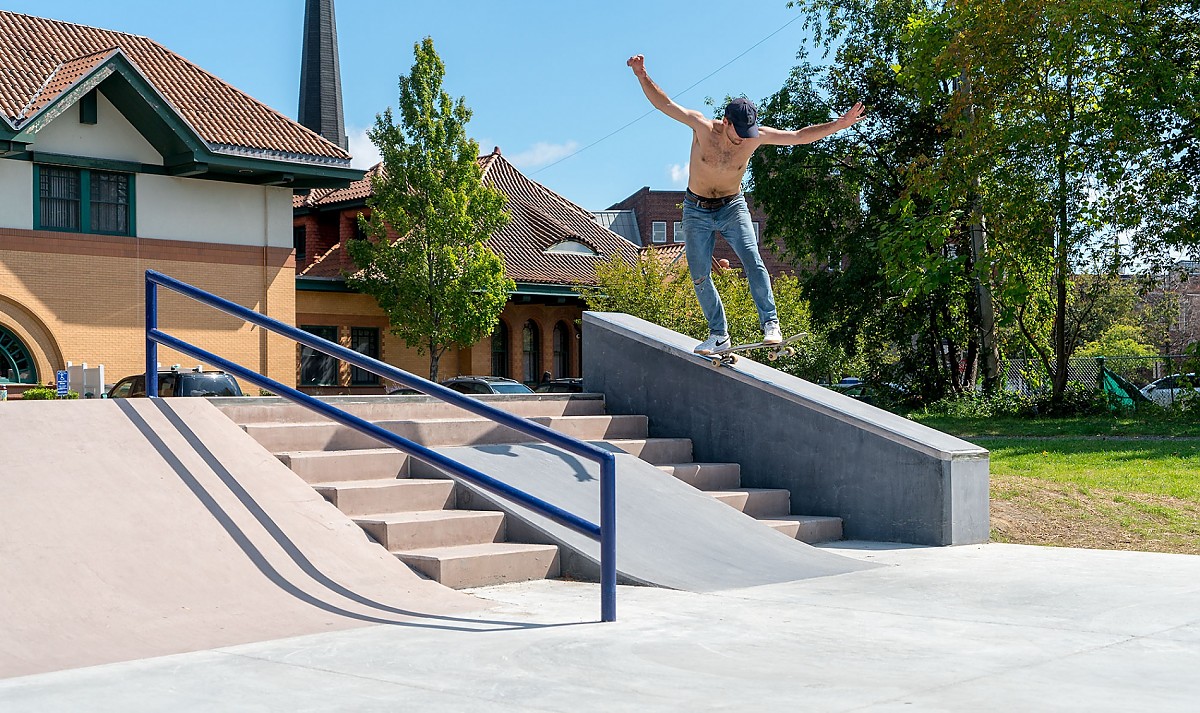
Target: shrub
column 46, row 393
column 1078, row 400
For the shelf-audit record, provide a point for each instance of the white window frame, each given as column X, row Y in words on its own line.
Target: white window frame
column 658, row 231
column 678, row 228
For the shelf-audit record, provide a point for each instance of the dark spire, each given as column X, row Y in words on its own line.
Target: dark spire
column 320, row 74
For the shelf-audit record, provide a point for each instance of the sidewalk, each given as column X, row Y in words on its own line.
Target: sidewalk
column 991, row 627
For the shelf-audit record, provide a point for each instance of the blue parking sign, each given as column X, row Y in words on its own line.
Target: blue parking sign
column 62, row 381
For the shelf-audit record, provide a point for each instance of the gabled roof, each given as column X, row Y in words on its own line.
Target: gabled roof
column 42, row 59
column 541, row 219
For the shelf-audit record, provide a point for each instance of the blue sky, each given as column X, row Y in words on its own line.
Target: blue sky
column 544, row 79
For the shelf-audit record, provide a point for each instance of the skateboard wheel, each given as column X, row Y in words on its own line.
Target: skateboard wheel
column 716, row 361
column 733, row 358
column 791, row 351
column 772, row 355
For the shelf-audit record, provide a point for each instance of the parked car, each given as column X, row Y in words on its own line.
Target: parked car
column 178, row 383
column 1169, row 389
column 403, row 391
column 561, row 386
column 486, row 385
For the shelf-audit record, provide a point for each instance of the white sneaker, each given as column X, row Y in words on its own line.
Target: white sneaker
column 713, row 343
column 771, row 333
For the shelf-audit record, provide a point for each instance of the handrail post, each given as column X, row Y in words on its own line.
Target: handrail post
column 608, row 539
column 151, row 345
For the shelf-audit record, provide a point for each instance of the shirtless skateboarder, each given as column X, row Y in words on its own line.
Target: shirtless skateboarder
column 714, row 202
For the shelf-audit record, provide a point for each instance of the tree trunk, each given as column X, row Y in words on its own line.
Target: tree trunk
column 986, row 321
column 1062, row 264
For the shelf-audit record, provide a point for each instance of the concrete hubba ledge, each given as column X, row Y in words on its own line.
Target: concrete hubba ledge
column 888, row 478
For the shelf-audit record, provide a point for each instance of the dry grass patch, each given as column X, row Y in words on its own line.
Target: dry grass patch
column 1032, row 511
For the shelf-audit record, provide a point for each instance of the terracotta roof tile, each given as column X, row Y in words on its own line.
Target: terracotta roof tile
column 63, row 78
column 671, row 253
column 540, row 219
column 40, row 58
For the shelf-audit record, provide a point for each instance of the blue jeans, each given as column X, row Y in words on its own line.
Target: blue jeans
column 700, row 227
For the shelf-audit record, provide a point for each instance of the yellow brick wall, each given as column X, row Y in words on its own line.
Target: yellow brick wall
column 345, row 310
column 90, row 307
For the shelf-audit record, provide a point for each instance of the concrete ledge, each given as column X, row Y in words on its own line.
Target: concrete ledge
column 888, row 478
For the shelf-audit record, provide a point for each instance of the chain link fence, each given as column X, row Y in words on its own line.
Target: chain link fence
column 1028, row 377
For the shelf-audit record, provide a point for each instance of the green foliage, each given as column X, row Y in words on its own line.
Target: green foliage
column 1078, row 400
column 1122, row 340
column 661, row 292
column 1067, row 126
column 45, row 393
column 437, row 281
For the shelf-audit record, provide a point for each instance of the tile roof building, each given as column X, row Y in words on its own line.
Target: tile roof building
column 550, row 246
column 136, row 158
column 49, row 65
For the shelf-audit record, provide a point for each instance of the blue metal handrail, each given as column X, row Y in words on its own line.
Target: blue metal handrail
column 605, row 532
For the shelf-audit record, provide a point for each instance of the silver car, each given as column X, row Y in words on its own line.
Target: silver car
column 1167, row 390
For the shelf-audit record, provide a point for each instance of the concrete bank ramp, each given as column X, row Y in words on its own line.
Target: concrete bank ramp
column 138, row 528
column 669, row 534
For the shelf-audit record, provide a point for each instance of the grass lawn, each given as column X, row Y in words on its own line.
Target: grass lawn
column 1090, row 482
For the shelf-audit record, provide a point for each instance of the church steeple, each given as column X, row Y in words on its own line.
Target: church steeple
column 320, row 74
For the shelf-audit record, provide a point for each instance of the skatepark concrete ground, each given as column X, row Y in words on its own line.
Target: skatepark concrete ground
column 987, row 627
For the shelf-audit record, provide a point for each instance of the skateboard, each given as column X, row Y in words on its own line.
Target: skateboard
column 729, row 355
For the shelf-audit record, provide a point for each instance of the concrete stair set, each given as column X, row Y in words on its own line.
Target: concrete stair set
column 412, row 509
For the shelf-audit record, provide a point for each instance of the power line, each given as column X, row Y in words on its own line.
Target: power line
column 681, row 93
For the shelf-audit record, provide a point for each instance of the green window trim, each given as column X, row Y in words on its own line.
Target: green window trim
column 87, row 200
column 16, row 360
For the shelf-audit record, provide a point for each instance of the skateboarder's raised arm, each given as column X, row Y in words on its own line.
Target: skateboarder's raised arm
column 809, row 134
column 661, row 101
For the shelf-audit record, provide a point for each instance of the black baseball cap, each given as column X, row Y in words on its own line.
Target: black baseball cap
column 743, row 115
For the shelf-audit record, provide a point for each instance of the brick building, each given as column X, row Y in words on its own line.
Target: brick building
column 1185, row 283
column 549, row 247
column 118, row 155
column 658, row 216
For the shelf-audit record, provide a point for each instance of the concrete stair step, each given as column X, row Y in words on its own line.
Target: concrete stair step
column 404, row 531
column 706, row 476
column 336, row 466
column 364, row 497
column 327, row 436
column 807, row 528
column 481, row 565
column 657, row 451
column 244, row 410
column 757, row 502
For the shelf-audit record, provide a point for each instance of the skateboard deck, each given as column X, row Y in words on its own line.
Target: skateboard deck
column 729, row 355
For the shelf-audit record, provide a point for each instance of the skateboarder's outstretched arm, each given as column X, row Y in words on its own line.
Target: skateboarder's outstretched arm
column 661, row 101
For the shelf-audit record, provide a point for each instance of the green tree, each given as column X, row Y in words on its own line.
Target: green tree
column 1078, row 127
column 1076, row 149
column 892, row 277
column 1119, row 340
column 427, row 264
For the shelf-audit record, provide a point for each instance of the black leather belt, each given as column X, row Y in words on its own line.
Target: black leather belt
column 710, row 203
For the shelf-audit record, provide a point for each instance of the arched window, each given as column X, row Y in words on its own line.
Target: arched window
column 16, row 364
column 531, row 341
column 500, row 349
column 562, row 350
